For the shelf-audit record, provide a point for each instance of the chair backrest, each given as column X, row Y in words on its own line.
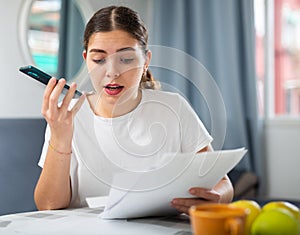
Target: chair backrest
column 21, row 143
column 245, row 184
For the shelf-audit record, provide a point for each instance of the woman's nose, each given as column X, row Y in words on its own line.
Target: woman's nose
column 112, row 70
column 112, row 74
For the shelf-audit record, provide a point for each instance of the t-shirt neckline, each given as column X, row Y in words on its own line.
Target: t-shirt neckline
column 119, row 118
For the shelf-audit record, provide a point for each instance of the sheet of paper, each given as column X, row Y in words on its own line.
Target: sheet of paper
column 150, row 193
column 96, row 202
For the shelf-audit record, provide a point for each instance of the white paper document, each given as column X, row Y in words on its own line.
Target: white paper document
column 96, row 202
column 149, row 193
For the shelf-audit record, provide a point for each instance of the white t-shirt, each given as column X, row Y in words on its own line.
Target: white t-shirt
column 162, row 123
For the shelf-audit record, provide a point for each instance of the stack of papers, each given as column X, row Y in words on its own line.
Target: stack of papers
column 150, row 193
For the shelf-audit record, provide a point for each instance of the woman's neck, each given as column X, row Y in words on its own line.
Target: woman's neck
column 111, row 110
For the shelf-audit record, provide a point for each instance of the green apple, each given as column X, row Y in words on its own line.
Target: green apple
column 275, row 221
column 285, row 205
column 253, row 208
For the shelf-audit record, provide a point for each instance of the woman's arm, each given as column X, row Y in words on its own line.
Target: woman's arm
column 53, row 190
column 225, row 189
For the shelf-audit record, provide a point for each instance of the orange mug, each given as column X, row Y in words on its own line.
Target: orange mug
column 218, row 219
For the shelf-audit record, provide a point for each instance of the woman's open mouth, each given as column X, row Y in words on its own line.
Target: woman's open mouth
column 113, row 89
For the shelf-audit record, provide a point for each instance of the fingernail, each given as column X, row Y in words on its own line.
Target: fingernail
column 192, row 191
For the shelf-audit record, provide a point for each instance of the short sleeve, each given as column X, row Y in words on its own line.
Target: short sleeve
column 193, row 132
column 45, row 147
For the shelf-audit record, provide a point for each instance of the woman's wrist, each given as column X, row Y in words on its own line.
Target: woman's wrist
column 62, row 152
column 60, row 145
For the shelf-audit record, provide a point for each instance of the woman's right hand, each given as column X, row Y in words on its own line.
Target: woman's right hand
column 60, row 117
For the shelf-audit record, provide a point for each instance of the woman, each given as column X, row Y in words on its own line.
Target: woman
column 122, row 122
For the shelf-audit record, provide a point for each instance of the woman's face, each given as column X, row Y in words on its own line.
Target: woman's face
column 115, row 62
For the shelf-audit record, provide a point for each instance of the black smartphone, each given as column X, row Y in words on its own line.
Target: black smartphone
column 44, row 78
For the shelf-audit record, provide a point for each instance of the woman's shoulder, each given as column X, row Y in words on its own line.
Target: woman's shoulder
column 173, row 99
column 161, row 95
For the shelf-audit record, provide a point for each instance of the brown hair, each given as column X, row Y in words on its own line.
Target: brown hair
column 121, row 18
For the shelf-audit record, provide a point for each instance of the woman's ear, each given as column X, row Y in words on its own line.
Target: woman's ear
column 148, row 58
column 84, row 54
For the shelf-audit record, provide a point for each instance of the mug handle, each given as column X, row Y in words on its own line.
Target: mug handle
column 234, row 226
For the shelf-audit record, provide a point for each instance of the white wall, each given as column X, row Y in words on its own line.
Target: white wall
column 19, row 97
column 283, row 158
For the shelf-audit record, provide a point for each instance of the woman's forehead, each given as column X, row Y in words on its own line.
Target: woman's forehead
column 112, row 41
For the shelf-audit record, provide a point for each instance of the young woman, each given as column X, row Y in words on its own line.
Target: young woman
column 125, row 124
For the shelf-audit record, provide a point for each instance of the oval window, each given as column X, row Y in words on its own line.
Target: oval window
column 55, row 34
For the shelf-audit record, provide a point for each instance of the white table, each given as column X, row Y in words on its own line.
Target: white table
column 86, row 221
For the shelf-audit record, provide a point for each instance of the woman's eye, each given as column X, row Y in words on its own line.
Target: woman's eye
column 100, row 61
column 126, row 60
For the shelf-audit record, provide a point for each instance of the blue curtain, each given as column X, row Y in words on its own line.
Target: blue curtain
column 219, row 34
column 70, row 40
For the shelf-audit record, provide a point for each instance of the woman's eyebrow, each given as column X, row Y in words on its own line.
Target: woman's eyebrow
column 126, row 49
column 98, row 51
column 105, row 52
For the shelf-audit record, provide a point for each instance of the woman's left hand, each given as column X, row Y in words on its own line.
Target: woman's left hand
column 201, row 195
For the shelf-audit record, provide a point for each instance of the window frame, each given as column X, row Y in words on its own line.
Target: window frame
column 269, row 112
